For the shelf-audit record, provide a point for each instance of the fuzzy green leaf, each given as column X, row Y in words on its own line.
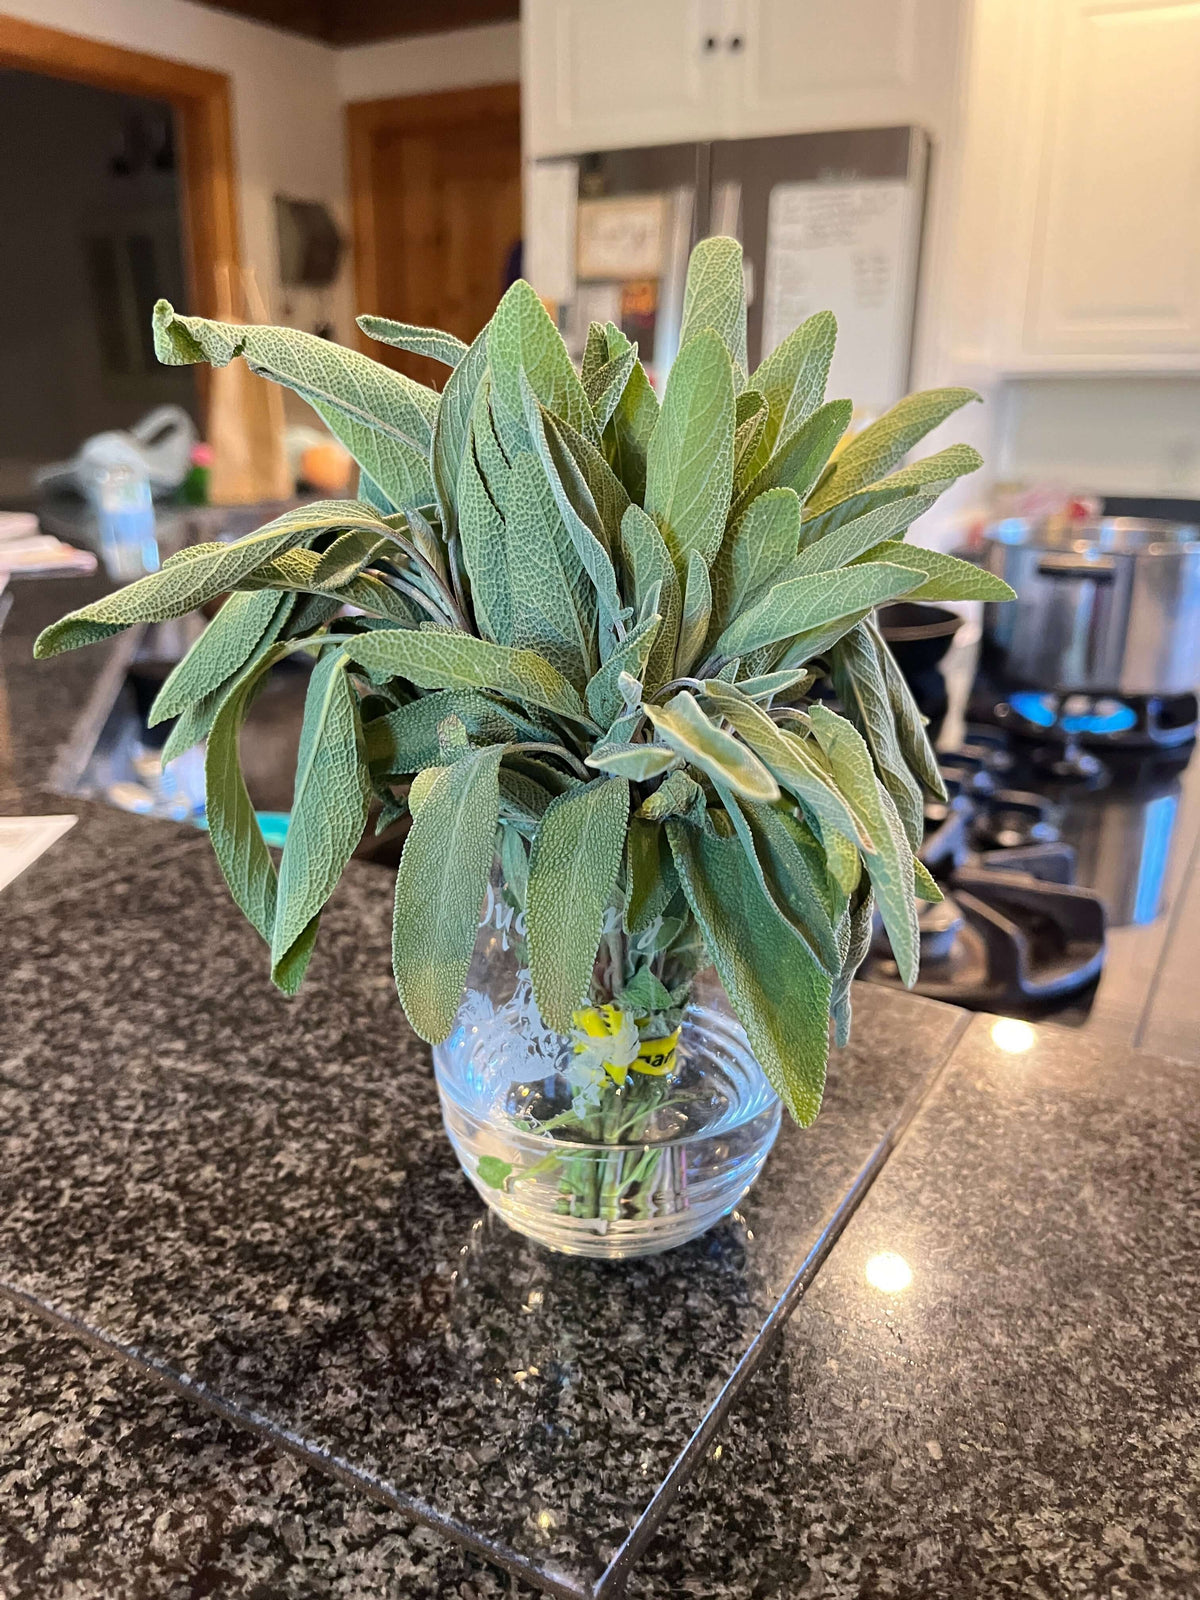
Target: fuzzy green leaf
column 793, row 377
column 647, row 564
column 946, row 577
column 910, row 725
column 405, row 740
column 649, row 874
column 697, row 613
column 860, row 926
column 448, row 660
column 682, row 725
column 452, row 427
column 931, row 472
column 689, row 467
column 754, row 553
column 579, row 512
column 715, row 297
column 889, row 862
column 432, row 342
column 798, row 605
column 631, row 426
column 606, row 385
column 523, row 339
column 784, row 879
column 350, row 554
column 780, row 995
column 925, row 884
column 802, row 457
column 880, row 446
column 796, row 769
column 637, row 762
column 484, row 537
column 440, row 887
column 384, row 419
column 232, row 825
column 329, row 804
column 750, row 426
column 553, row 611
column 572, row 871
column 861, row 534
column 676, row 796
column 210, row 570
column 858, row 677
column 297, row 570
column 222, row 650
column 604, row 699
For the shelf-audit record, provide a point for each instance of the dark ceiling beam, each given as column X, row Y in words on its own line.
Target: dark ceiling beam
column 347, row 22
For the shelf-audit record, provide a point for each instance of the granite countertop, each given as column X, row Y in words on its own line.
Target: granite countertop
column 257, row 1335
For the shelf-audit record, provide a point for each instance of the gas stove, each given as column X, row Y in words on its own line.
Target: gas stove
column 1058, row 825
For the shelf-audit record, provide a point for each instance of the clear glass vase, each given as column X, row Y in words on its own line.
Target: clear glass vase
column 588, row 1159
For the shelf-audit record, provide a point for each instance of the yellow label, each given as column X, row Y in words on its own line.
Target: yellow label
column 656, row 1057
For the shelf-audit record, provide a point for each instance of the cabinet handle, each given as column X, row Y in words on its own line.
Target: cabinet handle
column 736, row 42
column 710, row 43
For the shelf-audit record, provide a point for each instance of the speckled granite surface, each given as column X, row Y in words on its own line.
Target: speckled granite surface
column 252, row 1200
column 112, row 1488
column 256, row 1196
column 1024, row 1419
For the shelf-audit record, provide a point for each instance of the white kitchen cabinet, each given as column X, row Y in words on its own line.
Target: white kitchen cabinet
column 606, row 74
column 1079, row 215
column 1116, row 260
column 601, row 74
column 805, row 65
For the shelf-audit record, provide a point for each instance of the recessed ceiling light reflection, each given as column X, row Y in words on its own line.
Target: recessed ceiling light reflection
column 1013, row 1036
column 889, row 1272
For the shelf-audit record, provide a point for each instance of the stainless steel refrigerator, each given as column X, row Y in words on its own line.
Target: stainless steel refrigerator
column 827, row 221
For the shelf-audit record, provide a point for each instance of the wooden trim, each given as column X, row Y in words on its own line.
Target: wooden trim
column 202, row 103
column 365, row 121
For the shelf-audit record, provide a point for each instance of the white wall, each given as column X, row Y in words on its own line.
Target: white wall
column 287, row 112
column 459, row 59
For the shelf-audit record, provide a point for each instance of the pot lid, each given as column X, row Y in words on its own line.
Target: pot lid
column 1124, row 535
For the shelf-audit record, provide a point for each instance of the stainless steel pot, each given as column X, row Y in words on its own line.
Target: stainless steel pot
column 1112, row 604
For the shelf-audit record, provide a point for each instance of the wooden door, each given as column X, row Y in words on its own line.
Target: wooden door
column 437, row 211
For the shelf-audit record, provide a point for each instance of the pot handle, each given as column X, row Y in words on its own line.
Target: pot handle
column 1099, row 570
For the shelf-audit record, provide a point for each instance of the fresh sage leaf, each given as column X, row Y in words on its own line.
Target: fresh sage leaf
column 446, row 660
column 432, row 342
column 689, row 466
column 714, row 297
column 440, row 887
column 572, row 872
column 780, row 995
column 329, row 804
column 384, row 419
column 682, row 725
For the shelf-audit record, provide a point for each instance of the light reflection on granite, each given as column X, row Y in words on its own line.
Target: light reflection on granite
column 1024, row 1418
column 113, row 1488
column 258, row 1196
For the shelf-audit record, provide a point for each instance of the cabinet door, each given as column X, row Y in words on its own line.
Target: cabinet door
column 804, row 65
column 1116, row 257
column 606, row 74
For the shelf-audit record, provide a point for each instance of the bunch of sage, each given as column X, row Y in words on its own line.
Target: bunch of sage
column 577, row 628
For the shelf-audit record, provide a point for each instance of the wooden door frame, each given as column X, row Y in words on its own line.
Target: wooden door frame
column 202, row 104
column 402, row 114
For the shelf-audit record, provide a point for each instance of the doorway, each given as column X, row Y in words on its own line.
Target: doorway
column 436, row 186
column 92, row 237
column 173, row 112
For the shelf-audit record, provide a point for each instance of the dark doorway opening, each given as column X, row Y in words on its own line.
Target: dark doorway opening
column 92, row 235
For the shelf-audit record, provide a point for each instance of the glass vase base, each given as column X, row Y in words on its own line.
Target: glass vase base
column 676, row 1155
